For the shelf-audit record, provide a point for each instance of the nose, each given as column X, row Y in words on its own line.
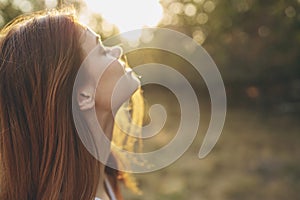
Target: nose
column 116, row 51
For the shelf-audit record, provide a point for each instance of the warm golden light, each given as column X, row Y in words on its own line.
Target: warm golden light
column 128, row 15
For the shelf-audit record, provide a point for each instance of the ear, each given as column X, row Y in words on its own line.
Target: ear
column 85, row 100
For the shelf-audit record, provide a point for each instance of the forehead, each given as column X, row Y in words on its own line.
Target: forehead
column 89, row 39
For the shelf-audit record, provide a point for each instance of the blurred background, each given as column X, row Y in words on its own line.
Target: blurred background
column 256, row 46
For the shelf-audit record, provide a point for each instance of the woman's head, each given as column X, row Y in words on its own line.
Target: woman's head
column 40, row 151
column 41, row 155
column 105, row 73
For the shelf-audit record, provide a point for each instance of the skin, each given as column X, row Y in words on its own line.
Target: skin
column 107, row 87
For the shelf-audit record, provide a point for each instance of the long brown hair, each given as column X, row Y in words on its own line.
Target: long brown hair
column 41, row 154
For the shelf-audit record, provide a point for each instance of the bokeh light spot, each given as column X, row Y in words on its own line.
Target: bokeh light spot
column 51, row 3
column 202, row 18
column 264, row 31
column 199, row 36
column 190, row 9
column 25, row 6
column 209, row 6
column 176, row 8
column 290, row 11
column 199, row 1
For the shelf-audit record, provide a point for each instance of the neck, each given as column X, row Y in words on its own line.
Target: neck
column 106, row 121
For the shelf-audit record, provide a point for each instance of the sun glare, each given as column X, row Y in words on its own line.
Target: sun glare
column 128, row 15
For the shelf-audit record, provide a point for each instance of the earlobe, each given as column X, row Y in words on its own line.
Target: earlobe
column 85, row 100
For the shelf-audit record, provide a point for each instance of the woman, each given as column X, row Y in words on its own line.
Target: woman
column 42, row 155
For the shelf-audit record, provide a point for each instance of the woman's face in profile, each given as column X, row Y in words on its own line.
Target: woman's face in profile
column 114, row 84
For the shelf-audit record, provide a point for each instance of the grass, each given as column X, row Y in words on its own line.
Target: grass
column 256, row 157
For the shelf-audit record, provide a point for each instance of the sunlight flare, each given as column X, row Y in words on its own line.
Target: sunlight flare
column 128, row 15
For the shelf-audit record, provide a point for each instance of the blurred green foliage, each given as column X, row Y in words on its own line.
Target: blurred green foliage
column 248, row 39
column 254, row 43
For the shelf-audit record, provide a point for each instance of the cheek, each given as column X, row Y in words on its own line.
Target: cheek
column 114, row 89
column 104, row 90
column 107, row 84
